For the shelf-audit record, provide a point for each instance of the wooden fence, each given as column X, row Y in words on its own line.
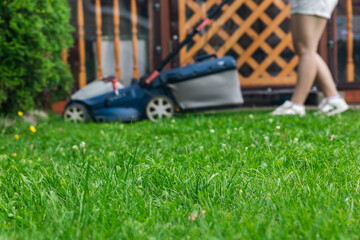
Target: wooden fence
column 80, row 17
column 254, row 32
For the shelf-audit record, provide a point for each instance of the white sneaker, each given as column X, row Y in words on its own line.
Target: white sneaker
column 333, row 106
column 289, row 108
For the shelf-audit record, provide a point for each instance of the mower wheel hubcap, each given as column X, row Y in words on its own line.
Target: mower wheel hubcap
column 75, row 113
column 159, row 107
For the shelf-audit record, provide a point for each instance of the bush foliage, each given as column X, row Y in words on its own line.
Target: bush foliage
column 32, row 37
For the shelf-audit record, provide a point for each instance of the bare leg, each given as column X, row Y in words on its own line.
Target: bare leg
column 307, row 31
column 324, row 79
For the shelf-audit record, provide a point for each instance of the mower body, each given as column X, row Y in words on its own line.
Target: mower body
column 206, row 83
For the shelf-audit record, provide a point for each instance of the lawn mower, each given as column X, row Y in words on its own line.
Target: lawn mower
column 208, row 82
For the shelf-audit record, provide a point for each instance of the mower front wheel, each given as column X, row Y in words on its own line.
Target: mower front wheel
column 76, row 112
column 159, row 107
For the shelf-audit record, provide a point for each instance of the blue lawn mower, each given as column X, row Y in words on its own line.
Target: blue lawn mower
column 209, row 82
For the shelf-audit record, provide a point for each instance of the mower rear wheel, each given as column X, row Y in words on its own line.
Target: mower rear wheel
column 159, row 107
column 76, row 113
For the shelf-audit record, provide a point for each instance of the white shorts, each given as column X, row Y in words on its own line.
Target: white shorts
column 321, row 8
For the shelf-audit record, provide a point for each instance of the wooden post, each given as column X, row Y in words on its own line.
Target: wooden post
column 182, row 28
column 333, row 47
column 64, row 54
column 350, row 68
column 82, row 74
column 98, row 38
column 134, row 38
column 174, row 29
column 156, row 32
column 117, row 38
column 151, row 34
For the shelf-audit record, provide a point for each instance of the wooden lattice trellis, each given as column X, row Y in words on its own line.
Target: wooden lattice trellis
column 254, row 32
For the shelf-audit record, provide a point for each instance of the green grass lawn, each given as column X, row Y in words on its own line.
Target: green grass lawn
column 232, row 175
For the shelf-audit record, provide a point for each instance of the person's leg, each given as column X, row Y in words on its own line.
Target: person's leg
column 324, row 79
column 306, row 31
column 332, row 103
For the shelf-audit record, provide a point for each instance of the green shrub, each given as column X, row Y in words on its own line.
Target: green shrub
column 32, row 36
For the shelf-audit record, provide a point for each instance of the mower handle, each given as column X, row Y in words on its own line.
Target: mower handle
column 204, row 57
column 198, row 28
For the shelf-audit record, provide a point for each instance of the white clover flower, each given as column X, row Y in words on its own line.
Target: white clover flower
column 212, row 130
column 82, row 144
column 278, row 127
column 173, row 120
column 246, row 148
column 75, row 147
column 296, row 140
column 251, row 116
column 156, row 137
column 266, row 138
column 271, row 120
column 193, row 216
column 223, row 145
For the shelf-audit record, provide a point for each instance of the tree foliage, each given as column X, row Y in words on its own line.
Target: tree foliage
column 32, row 36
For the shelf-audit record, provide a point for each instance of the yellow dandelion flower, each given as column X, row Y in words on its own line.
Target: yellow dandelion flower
column 14, row 155
column 16, row 136
column 32, row 129
column 20, row 113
